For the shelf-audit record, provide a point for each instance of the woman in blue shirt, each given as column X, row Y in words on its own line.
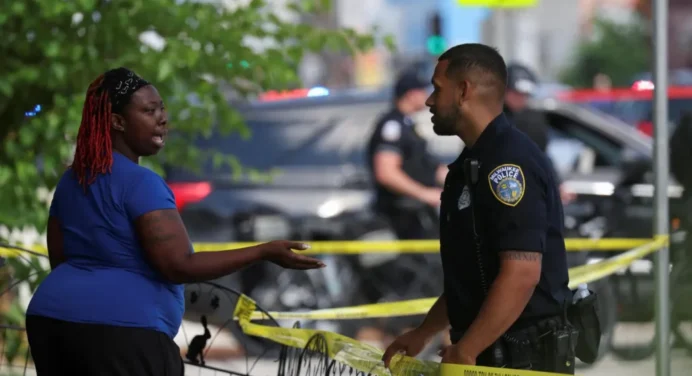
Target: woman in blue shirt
column 118, row 249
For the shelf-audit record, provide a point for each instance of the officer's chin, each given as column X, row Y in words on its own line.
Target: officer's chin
column 441, row 130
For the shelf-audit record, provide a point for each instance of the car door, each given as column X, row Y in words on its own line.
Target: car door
column 589, row 148
column 594, row 153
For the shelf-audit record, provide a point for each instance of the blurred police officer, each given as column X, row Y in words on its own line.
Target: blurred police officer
column 408, row 178
column 503, row 253
column 408, row 181
column 522, row 84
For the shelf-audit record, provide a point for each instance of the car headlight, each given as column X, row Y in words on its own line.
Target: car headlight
column 270, row 227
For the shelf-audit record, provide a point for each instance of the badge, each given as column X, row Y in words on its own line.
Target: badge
column 464, row 199
column 391, row 131
column 507, row 184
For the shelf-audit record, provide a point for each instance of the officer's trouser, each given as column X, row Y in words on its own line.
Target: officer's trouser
column 542, row 346
column 403, row 276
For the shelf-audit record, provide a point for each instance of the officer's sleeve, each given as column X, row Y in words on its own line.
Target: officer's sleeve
column 389, row 137
column 517, row 213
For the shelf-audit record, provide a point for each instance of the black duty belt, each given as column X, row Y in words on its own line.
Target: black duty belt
column 533, row 328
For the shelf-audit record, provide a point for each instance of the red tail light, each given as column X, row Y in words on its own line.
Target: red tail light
column 188, row 193
column 646, row 127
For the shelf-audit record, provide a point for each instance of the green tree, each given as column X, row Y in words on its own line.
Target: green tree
column 51, row 51
column 619, row 51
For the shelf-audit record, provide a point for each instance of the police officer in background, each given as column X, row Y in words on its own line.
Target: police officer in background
column 408, row 178
column 408, row 183
column 503, row 253
column 522, row 84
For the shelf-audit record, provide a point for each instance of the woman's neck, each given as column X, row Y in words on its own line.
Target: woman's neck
column 125, row 151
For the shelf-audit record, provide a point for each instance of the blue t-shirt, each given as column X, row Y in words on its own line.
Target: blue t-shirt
column 106, row 278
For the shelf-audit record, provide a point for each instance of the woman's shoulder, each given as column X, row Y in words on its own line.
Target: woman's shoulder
column 128, row 174
column 143, row 182
column 143, row 190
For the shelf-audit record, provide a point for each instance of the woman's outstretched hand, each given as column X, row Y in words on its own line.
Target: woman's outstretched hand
column 280, row 252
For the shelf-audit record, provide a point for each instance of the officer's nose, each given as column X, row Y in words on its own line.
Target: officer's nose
column 430, row 102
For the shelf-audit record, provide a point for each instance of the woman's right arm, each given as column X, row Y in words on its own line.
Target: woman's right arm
column 164, row 239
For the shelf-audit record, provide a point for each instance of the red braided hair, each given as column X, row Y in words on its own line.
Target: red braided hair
column 93, row 155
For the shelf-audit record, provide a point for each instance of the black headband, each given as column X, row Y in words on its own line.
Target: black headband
column 121, row 83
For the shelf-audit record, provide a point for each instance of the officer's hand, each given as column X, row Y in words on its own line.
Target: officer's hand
column 410, row 344
column 566, row 196
column 455, row 354
column 432, row 196
column 280, row 252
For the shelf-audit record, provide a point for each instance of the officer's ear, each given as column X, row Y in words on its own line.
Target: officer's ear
column 463, row 91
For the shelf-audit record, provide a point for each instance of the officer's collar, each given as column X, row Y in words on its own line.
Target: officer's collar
column 485, row 140
column 508, row 111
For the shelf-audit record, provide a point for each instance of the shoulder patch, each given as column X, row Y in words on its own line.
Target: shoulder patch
column 391, row 131
column 507, row 184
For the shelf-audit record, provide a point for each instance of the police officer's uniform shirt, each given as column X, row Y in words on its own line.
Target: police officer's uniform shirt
column 531, row 122
column 517, row 208
column 396, row 132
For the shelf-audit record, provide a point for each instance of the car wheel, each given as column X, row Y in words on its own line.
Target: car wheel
column 217, row 301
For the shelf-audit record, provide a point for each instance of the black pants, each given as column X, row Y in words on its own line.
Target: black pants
column 66, row 348
column 401, row 278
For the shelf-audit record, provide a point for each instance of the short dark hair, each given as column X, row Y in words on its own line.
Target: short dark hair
column 482, row 62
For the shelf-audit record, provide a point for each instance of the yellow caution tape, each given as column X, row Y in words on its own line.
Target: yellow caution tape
column 580, row 274
column 361, row 356
column 577, row 275
column 397, row 246
column 592, row 272
column 391, row 309
column 498, row 3
column 422, row 246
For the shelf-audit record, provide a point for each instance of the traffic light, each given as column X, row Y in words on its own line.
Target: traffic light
column 436, row 42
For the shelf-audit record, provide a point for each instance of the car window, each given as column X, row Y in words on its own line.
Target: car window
column 296, row 138
column 568, row 139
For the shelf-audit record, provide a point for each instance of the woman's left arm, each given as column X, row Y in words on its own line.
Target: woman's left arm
column 56, row 254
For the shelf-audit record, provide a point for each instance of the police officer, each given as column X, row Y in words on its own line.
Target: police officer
column 522, row 84
column 407, row 177
column 502, row 249
column 408, row 183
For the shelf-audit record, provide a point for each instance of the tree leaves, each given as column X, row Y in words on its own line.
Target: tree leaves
column 619, row 51
column 196, row 53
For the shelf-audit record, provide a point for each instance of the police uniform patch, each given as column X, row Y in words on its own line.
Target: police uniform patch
column 507, row 184
column 464, row 199
column 391, row 131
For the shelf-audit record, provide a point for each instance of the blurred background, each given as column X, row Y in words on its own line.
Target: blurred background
column 272, row 104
